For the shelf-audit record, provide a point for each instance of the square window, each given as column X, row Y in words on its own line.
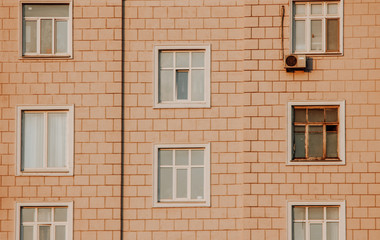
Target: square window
column 46, row 29
column 317, row 27
column 316, row 220
column 182, row 76
column 316, row 133
column 181, row 175
column 48, row 221
column 45, row 140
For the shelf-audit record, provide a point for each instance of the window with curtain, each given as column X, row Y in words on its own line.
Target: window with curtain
column 317, row 26
column 46, row 30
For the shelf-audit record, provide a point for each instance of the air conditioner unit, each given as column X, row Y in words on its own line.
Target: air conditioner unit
column 293, row 62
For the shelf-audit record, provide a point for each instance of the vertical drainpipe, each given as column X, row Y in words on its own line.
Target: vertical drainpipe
column 122, row 120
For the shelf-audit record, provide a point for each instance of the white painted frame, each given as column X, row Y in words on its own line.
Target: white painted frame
column 188, row 202
column 70, row 216
column 207, row 77
column 69, row 29
column 342, row 215
column 308, row 19
column 341, row 132
column 69, row 170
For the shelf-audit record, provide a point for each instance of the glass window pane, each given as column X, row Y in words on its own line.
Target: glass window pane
column 44, row 233
column 165, row 183
column 32, row 140
column 299, row 213
column 165, row 157
column 197, row 183
column 332, row 8
column 197, row 85
column 182, row 79
column 44, row 215
column 299, row 9
column 27, row 214
column 300, row 115
column 299, row 231
column 316, row 35
column 332, row 213
column 26, row 233
column 316, row 231
column 60, row 233
column 299, row 140
column 331, row 115
column 315, row 213
column 166, row 85
column 332, row 34
column 182, row 157
column 57, row 139
column 197, row 157
column 166, row 59
column 299, row 35
column 46, row 36
column 316, row 115
column 45, row 10
column 332, row 231
column 61, row 36
column 315, row 141
column 331, row 144
column 60, row 214
column 197, row 59
column 182, row 59
column 29, row 37
column 316, row 9
column 181, row 183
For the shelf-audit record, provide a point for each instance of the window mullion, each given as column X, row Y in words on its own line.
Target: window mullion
column 307, row 135
column 38, row 42
column 174, row 177
column 189, row 77
column 307, row 223
column 45, row 157
column 324, row 134
column 174, row 78
column 53, row 36
column 189, row 177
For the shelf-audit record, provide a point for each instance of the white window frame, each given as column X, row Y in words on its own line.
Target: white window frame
column 69, row 205
column 342, row 215
column 183, row 103
column 68, row 171
column 308, row 28
column 69, row 29
column 341, row 132
column 184, row 202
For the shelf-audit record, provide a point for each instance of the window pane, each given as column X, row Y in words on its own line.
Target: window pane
column 44, row 233
column 165, row 157
column 299, row 9
column 299, row 231
column 61, row 36
column 182, row 157
column 299, row 140
column 181, row 183
column 197, row 85
column 299, row 213
column 165, row 183
column 316, row 231
column 332, row 8
column 315, row 141
column 197, row 157
column 29, row 37
column 45, row 10
column 44, row 214
column 332, row 213
column 182, row 79
column 26, row 233
column 166, row 85
column 332, row 231
column 166, row 59
column 331, row 115
column 316, row 9
column 197, row 183
column 331, row 144
column 315, row 213
column 60, row 233
column 316, row 35
column 57, row 139
column 299, row 39
column 60, row 214
column 300, row 115
column 197, row 59
column 332, row 34
column 46, row 36
column 316, row 115
column 182, row 59
column 32, row 140
column 27, row 215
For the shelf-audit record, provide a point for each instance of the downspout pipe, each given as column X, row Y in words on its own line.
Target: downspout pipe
column 122, row 119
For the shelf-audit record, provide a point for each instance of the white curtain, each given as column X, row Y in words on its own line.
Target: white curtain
column 57, row 139
column 32, row 131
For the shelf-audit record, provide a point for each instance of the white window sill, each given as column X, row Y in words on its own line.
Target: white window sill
column 181, row 204
column 182, row 105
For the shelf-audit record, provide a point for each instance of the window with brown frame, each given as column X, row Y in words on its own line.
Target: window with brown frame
column 315, row 133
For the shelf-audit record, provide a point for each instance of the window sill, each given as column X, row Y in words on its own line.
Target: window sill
column 45, row 173
column 45, row 57
column 337, row 54
column 316, row 162
column 182, row 105
column 181, row 204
